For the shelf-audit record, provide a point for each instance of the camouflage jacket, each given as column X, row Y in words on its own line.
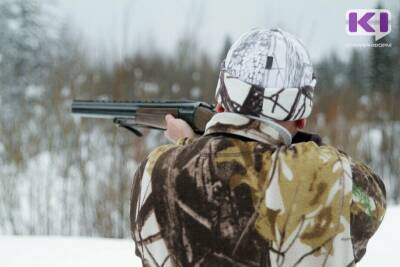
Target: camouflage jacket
column 242, row 195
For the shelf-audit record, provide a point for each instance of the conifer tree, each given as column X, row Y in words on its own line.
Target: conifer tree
column 382, row 63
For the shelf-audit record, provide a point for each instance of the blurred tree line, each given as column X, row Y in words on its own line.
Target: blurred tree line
column 62, row 175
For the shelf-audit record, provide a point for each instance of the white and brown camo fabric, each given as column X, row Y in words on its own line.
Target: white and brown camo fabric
column 242, row 195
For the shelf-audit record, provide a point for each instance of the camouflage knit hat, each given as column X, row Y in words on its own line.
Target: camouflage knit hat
column 267, row 74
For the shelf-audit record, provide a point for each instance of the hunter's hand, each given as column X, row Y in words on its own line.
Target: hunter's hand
column 177, row 128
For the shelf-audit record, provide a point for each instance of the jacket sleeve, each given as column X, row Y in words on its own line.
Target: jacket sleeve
column 134, row 206
column 141, row 185
column 368, row 207
column 142, row 206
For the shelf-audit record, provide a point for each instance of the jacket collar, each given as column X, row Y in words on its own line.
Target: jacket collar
column 262, row 130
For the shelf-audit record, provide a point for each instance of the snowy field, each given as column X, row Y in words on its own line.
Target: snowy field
column 86, row 252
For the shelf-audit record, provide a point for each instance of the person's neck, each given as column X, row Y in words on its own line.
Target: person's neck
column 288, row 125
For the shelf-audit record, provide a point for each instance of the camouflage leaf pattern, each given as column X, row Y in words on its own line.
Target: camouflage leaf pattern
column 242, row 196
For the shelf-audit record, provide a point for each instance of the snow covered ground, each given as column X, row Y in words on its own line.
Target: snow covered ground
column 86, row 252
column 66, row 252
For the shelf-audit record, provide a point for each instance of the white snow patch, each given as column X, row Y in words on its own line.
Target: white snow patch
column 66, row 252
column 195, row 92
column 33, row 91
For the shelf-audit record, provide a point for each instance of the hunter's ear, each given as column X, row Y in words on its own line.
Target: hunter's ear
column 219, row 108
column 300, row 124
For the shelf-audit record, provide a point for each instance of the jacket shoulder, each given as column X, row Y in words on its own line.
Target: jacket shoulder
column 319, row 155
column 156, row 154
column 368, row 198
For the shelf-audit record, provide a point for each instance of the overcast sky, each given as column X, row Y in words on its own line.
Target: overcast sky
column 123, row 26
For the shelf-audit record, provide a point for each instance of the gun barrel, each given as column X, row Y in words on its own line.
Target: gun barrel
column 104, row 109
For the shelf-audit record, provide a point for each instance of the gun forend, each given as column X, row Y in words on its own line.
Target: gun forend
column 150, row 114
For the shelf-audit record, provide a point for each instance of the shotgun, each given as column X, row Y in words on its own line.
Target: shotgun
column 148, row 114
